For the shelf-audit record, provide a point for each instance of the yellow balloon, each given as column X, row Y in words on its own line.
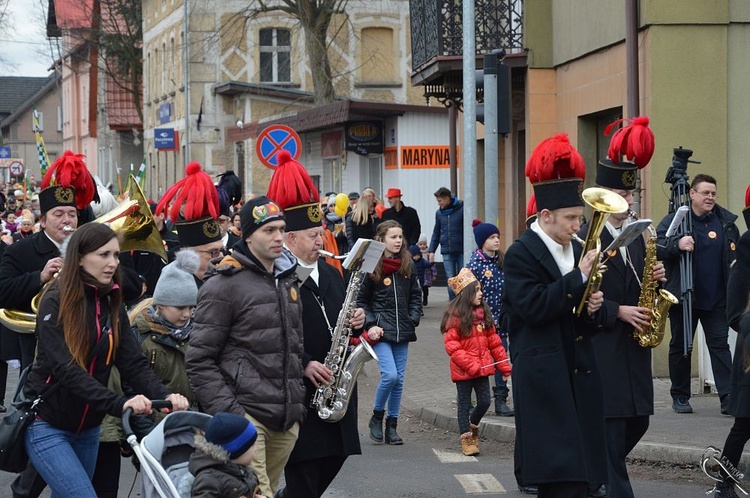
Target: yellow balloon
column 342, row 203
column 339, row 212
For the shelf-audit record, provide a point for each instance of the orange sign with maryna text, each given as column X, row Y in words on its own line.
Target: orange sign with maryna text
column 418, row 156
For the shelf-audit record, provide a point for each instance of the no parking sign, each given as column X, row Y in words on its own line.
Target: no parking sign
column 16, row 168
column 274, row 139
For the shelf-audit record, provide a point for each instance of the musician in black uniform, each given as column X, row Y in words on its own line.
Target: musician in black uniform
column 625, row 366
column 713, row 245
column 322, row 447
column 557, row 390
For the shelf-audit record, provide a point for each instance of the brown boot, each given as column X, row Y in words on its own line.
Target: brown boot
column 475, row 434
column 467, row 444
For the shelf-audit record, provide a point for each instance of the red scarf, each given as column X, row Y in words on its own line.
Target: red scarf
column 391, row 265
column 478, row 314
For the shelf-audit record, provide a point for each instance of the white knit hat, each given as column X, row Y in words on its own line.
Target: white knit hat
column 176, row 285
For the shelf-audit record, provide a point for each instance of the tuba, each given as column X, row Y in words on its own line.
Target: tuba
column 133, row 220
column 657, row 300
column 332, row 401
column 604, row 202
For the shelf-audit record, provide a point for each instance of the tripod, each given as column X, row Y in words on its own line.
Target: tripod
column 678, row 177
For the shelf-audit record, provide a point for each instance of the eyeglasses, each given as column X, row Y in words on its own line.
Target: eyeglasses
column 215, row 253
column 707, row 193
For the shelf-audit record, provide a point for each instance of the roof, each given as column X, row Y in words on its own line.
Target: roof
column 15, row 90
column 49, row 84
column 71, row 14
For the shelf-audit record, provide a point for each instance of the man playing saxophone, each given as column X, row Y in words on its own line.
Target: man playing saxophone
column 625, row 366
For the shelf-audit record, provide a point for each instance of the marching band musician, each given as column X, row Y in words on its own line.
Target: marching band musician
column 557, row 390
column 322, row 447
column 713, row 243
column 625, row 366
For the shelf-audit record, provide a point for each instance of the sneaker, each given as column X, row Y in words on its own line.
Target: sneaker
column 682, row 405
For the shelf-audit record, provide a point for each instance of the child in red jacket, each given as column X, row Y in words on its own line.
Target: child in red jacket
column 475, row 350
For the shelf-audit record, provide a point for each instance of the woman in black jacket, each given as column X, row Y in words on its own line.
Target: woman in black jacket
column 392, row 300
column 83, row 331
column 361, row 222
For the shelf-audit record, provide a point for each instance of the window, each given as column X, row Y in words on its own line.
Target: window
column 378, row 56
column 275, row 55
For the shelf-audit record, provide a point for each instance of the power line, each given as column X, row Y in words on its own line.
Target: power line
column 22, row 42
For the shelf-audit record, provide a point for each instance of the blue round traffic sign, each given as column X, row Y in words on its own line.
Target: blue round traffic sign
column 274, row 139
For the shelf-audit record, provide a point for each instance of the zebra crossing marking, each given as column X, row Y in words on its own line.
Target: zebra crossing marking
column 452, row 457
column 480, row 483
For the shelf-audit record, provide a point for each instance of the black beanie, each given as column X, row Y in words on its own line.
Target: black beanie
column 257, row 212
column 483, row 231
column 233, row 433
column 414, row 250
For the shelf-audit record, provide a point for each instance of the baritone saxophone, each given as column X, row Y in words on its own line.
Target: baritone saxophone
column 657, row 300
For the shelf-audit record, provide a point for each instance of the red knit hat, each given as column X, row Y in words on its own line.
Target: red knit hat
column 746, row 211
column 67, row 183
column 193, row 204
column 294, row 191
column 556, row 170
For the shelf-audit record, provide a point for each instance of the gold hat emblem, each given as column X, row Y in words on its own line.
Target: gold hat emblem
column 314, row 214
column 64, row 195
column 211, row 228
column 628, row 179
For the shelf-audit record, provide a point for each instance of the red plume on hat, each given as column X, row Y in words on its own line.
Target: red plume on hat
column 634, row 142
column 196, row 192
column 291, row 185
column 70, row 171
column 747, row 196
column 555, row 158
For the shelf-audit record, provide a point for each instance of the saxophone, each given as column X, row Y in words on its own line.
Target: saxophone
column 653, row 298
column 332, row 400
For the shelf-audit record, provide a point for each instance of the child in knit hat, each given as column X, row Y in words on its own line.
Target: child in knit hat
column 222, row 456
column 486, row 263
column 423, row 267
column 431, row 273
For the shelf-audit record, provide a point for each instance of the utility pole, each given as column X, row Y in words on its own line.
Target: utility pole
column 469, row 145
column 491, row 154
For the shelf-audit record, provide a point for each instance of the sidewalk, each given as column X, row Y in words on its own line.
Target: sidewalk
column 430, row 394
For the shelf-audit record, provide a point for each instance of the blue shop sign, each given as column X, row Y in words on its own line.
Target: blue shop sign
column 164, row 138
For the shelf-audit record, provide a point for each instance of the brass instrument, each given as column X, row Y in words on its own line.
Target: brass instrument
column 657, row 300
column 133, row 220
column 332, row 400
column 604, row 202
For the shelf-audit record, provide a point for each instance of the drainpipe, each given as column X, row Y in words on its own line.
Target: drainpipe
column 632, row 77
column 186, row 72
column 452, row 149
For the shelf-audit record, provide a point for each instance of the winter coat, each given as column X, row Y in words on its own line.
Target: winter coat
column 394, row 304
column 738, row 285
column 219, row 477
column 449, row 229
column 408, row 218
column 21, row 270
column 468, row 354
column 317, row 438
column 625, row 366
column 423, row 267
column 489, row 273
column 557, row 390
column 739, row 398
column 356, row 231
column 83, row 399
column 668, row 252
column 245, row 349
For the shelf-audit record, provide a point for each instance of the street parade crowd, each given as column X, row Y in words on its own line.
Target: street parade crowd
column 236, row 305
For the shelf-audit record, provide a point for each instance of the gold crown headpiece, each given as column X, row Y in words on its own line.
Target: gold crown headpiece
column 460, row 281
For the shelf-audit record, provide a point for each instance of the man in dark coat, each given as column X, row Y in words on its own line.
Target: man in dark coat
column 406, row 216
column 713, row 243
column 557, row 388
column 625, row 366
column 322, row 447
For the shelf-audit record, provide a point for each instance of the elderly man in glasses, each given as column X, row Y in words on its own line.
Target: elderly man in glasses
column 712, row 243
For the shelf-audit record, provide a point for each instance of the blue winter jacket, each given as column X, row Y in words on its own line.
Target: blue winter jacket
column 449, row 229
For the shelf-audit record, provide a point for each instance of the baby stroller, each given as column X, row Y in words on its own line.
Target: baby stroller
column 164, row 453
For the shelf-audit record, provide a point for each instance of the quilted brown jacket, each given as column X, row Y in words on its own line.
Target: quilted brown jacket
column 245, row 350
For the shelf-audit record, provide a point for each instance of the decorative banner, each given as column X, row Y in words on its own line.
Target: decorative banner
column 364, row 137
column 40, row 148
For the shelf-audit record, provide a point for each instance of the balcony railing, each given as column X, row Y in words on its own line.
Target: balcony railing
column 437, row 28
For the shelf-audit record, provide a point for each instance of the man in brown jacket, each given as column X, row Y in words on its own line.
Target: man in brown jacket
column 245, row 352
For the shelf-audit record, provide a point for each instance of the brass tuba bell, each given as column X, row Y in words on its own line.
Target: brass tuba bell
column 132, row 220
column 604, row 202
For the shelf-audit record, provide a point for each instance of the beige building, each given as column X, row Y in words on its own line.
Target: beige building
column 212, row 79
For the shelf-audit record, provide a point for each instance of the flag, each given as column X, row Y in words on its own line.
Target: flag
column 142, row 173
column 40, row 148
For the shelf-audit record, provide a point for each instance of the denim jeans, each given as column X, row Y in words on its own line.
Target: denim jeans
column 452, row 264
column 64, row 459
column 392, row 363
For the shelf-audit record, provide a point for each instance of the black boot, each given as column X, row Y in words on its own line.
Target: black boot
column 376, row 425
column 391, row 436
column 501, row 398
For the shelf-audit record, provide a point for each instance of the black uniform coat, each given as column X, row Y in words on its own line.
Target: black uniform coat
column 557, row 391
column 738, row 286
column 739, row 398
column 625, row 366
column 317, row 438
column 21, row 269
